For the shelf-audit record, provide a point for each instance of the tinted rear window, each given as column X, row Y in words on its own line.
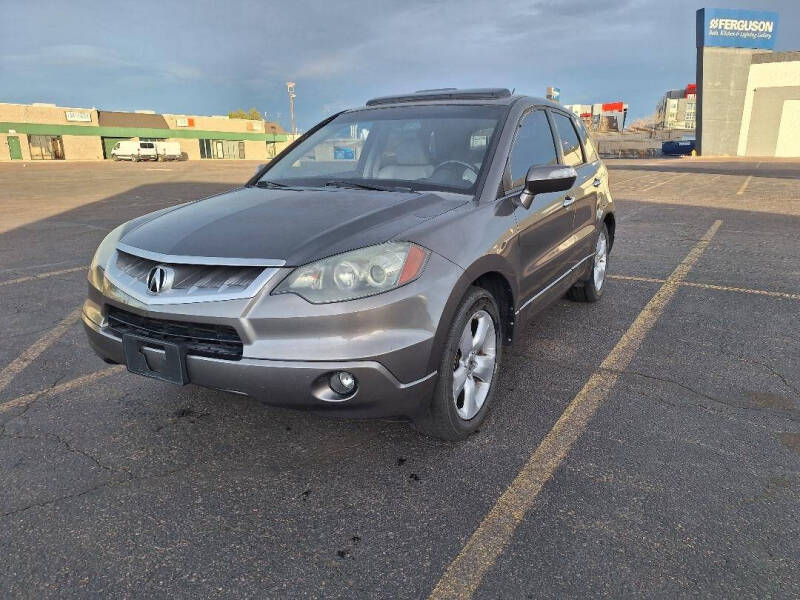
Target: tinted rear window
column 588, row 144
column 570, row 145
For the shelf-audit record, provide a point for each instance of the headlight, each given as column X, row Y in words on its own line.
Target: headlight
column 105, row 251
column 356, row 274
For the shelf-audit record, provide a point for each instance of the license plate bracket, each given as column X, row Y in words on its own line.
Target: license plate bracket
column 161, row 360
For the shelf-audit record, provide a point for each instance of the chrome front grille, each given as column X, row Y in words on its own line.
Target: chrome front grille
column 189, row 277
column 189, row 283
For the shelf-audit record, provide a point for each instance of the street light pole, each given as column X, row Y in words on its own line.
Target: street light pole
column 290, row 91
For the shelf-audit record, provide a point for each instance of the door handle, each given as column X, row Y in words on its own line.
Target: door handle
column 568, row 201
column 597, row 182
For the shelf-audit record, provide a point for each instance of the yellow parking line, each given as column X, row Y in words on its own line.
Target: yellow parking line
column 744, row 185
column 661, row 183
column 633, row 278
column 623, row 181
column 42, row 276
column 710, row 286
column 35, row 349
column 59, row 389
column 725, row 288
column 465, row 573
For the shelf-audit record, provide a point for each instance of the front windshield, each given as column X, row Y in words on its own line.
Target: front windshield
column 416, row 147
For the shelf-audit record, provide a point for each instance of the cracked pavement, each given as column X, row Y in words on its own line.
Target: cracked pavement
column 685, row 483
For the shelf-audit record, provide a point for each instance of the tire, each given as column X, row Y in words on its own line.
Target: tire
column 134, row 158
column 453, row 416
column 591, row 288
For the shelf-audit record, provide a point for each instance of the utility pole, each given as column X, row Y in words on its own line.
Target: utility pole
column 290, row 91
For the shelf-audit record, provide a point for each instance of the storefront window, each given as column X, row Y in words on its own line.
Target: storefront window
column 221, row 149
column 46, row 147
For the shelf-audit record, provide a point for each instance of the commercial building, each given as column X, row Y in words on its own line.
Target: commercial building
column 748, row 96
column 678, row 109
column 49, row 132
column 601, row 117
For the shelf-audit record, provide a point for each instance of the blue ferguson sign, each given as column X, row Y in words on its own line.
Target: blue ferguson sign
column 733, row 28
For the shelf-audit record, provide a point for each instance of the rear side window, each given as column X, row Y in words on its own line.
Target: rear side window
column 588, row 144
column 570, row 146
column 533, row 146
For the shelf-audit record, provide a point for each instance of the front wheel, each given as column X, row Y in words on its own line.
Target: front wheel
column 591, row 288
column 468, row 370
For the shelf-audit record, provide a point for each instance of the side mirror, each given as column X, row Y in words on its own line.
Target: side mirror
column 541, row 180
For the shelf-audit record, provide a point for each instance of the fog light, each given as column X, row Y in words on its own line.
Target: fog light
column 343, row 383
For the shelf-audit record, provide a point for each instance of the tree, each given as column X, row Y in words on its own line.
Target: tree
column 252, row 114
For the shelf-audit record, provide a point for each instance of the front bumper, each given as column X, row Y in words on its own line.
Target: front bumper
column 293, row 384
column 290, row 346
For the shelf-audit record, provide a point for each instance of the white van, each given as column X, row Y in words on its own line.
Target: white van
column 134, row 150
column 168, row 150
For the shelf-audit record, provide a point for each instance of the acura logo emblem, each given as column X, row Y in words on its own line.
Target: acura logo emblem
column 159, row 279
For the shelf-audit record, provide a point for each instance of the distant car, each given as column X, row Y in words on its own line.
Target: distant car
column 375, row 268
column 678, row 147
column 134, row 150
column 168, row 151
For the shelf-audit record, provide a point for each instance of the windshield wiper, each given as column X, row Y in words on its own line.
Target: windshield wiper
column 263, row 183
column 362, row 186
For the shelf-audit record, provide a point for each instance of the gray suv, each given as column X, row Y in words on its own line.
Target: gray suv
column 376, row 268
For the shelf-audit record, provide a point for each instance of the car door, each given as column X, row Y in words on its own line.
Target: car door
column 583, row 195
column 545, row 227
column 586, row 222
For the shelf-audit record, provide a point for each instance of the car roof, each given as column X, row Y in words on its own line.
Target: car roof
column 454, row 96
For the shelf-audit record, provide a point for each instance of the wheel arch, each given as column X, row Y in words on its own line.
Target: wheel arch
column 492, row 273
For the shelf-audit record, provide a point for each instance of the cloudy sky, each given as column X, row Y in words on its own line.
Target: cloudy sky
column 211, row 57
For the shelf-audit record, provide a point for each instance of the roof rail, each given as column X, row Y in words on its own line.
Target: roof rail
column 435, row 90
column 444, row 94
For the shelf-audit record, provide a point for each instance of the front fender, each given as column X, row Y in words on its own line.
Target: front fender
column 488, row 264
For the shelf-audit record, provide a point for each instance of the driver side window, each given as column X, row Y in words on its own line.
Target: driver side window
column 533, row 146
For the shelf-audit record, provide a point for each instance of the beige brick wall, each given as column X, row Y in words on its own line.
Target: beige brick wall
column 255, row 150
column 203, row 123
column 82, row 147
column 4, row 155
column 190, row 147
column 28, row 113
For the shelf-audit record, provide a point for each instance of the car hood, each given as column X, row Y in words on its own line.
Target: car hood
column 297, row 226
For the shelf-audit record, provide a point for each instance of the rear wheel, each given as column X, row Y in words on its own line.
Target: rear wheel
column 468, row 370
column 591, row 288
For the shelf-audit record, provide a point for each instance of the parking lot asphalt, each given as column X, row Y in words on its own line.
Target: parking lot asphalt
column 647, row 445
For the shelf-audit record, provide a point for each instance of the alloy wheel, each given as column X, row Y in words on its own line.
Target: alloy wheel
column 473, row 367
column 600, row 260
